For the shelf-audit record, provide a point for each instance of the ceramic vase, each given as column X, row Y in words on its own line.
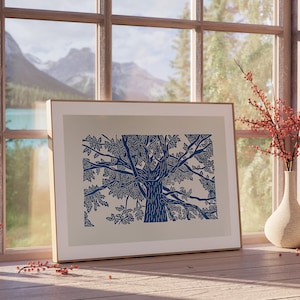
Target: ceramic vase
column 282, row 228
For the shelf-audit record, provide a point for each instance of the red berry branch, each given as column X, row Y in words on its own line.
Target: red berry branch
column 278, row 119
column 43, row 266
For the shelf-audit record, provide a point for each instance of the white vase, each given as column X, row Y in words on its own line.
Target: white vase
column 282, row 228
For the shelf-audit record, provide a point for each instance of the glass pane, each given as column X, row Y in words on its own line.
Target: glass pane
column 255, row 184
column 27, row 193
column 46, row 60
column 63, row 5
column 242, row 11
column 223, row 79
column 154, row 8
column 151, row 64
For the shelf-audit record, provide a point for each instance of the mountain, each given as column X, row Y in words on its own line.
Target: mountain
column 77, row 70
column 134, row 83
column 74, row 75
column 20, row 71
column 38, row 63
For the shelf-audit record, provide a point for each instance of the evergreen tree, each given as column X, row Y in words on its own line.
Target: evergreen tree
column 223, row 82
column 178, row 87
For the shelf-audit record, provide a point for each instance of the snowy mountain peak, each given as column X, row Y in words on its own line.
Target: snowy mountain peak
column 38, row 63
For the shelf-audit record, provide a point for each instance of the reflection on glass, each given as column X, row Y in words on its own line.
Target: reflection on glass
column 255, row 184
column 242, row 11
column 27, row 193
column 223, row 81
column 62, row 5
column 153, row 8
column 48, row 62
column 151, row 64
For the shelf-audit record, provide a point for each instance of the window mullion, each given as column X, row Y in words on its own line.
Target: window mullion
column 285, row 52
column 50, row 15
column 282, row 78
column 104, row 53
column 2, row 84
column 197, row 53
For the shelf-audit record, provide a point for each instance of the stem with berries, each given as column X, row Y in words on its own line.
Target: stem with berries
column 43, row 266
column 278, row 120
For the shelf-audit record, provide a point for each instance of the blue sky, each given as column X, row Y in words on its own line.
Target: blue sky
column 149, row 48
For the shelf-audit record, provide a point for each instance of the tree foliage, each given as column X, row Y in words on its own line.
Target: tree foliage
column 21, row 96
column 223, row 82
column 27, row 206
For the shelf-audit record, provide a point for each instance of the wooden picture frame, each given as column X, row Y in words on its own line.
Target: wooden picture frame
column 142, row 178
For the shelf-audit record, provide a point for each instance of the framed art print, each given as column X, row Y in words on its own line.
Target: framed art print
column 142, row 178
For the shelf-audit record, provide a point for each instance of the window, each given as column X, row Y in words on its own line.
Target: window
column 52, row 63
column 142, row 63
column 156, row 50
column 254, row 12
column 155, row 8
column 75, row 5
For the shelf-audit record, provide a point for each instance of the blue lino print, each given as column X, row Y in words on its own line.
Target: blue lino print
column 149, row 175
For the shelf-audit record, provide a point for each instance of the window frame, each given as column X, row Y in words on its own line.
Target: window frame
column 104, row 20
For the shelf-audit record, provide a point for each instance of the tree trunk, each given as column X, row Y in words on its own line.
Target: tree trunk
column 155, row 208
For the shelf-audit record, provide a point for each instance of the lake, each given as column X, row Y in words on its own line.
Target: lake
column 26, row 119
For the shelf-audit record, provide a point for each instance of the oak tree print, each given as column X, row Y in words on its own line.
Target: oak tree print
column 149, row 175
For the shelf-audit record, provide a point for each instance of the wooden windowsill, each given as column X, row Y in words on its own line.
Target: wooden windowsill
column 46, row 252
